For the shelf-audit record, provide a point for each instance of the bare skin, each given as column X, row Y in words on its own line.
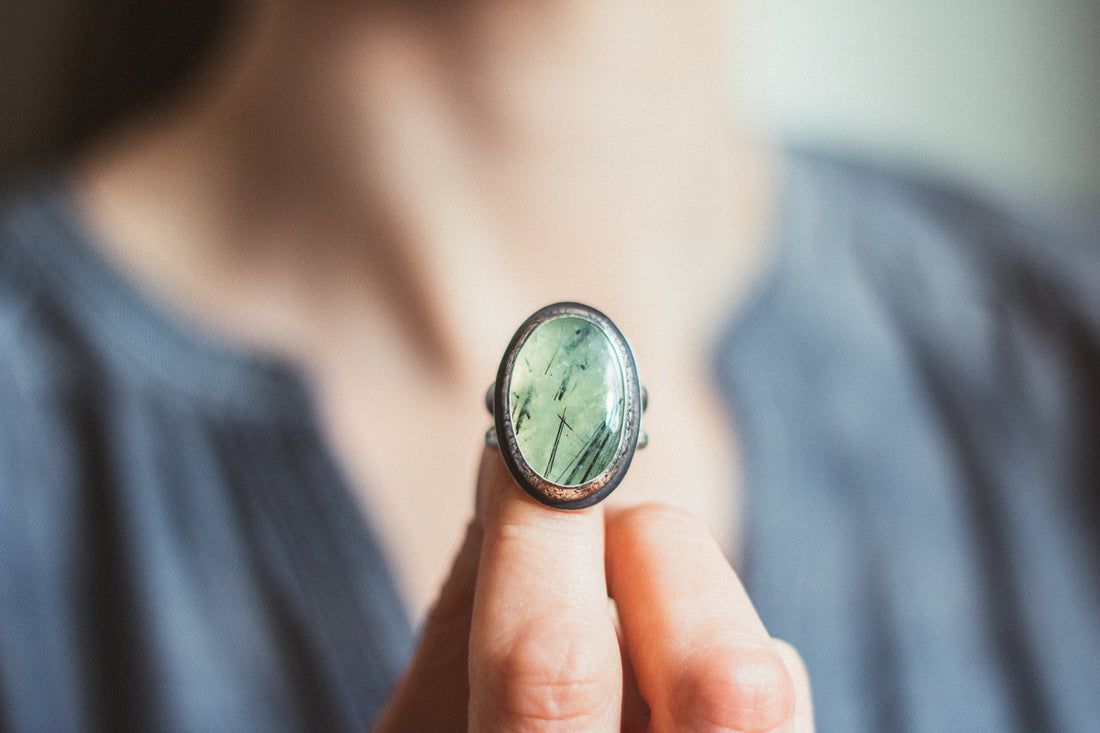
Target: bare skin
column 379, row 195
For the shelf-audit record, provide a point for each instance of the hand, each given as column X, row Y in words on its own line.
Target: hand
column 525, row 638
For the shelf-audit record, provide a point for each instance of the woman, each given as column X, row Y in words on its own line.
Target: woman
column 288, row 286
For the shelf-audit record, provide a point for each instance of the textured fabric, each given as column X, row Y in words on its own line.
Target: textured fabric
column 918, row 389
column 179, row 551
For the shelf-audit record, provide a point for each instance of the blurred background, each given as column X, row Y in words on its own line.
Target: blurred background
column 1003, row 94
column 1000, row 94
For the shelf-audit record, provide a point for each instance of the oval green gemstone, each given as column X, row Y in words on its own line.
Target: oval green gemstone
column 566, row 400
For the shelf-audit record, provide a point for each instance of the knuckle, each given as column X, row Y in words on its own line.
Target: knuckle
column 744, row 690
column 552, row 679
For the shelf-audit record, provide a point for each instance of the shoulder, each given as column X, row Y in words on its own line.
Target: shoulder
column 44, row 351
column 36, row 339
column 41, row 364
column 49, row 374
column 957, row 273
column 923, row 221
column 983, row 318
column 18, row 279
column 895, row 289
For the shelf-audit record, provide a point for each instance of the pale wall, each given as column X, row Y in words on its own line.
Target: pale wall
column 1005, row 93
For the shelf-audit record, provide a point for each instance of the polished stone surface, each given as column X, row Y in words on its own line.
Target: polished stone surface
column 566, row 400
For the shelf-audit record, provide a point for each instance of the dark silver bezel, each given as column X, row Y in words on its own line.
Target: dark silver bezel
column 550, row 493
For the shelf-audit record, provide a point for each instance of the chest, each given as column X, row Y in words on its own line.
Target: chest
column 411, row 452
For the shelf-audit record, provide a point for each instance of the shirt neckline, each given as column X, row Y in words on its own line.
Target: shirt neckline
column 141, row 337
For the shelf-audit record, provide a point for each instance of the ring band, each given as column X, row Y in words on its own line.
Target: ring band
column 567, row 405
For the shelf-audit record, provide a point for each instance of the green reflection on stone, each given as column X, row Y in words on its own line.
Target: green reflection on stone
column 566, row 400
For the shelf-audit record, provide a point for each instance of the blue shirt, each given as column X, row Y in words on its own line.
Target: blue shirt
column 918, row 390
column 180, row 550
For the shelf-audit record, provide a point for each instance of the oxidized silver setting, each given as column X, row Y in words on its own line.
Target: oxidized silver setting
column 503, row 432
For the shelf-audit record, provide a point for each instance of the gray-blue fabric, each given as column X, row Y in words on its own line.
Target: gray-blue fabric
column 917, row 388
column 179, row 549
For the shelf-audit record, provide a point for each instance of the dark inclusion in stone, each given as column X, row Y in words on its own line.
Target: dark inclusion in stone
column 566, row 400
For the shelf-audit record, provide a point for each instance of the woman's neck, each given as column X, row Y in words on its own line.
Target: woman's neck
column 369, row 165
column 381, row 199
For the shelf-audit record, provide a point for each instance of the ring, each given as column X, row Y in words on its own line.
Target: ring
column 567, row 406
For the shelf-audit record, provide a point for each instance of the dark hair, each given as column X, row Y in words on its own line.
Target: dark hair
column 75, row 67
column 128, row 54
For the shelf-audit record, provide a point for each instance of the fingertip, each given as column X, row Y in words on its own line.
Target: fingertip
column 791, row 658
column 743, row 688
column 654, row 522
column 800, row 676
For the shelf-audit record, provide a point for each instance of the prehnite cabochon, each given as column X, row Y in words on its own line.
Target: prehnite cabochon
column 566, row 400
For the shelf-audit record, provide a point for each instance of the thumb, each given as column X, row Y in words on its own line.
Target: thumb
column 434, row 693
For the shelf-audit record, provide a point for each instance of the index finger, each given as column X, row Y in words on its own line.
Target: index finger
column 543, row 650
